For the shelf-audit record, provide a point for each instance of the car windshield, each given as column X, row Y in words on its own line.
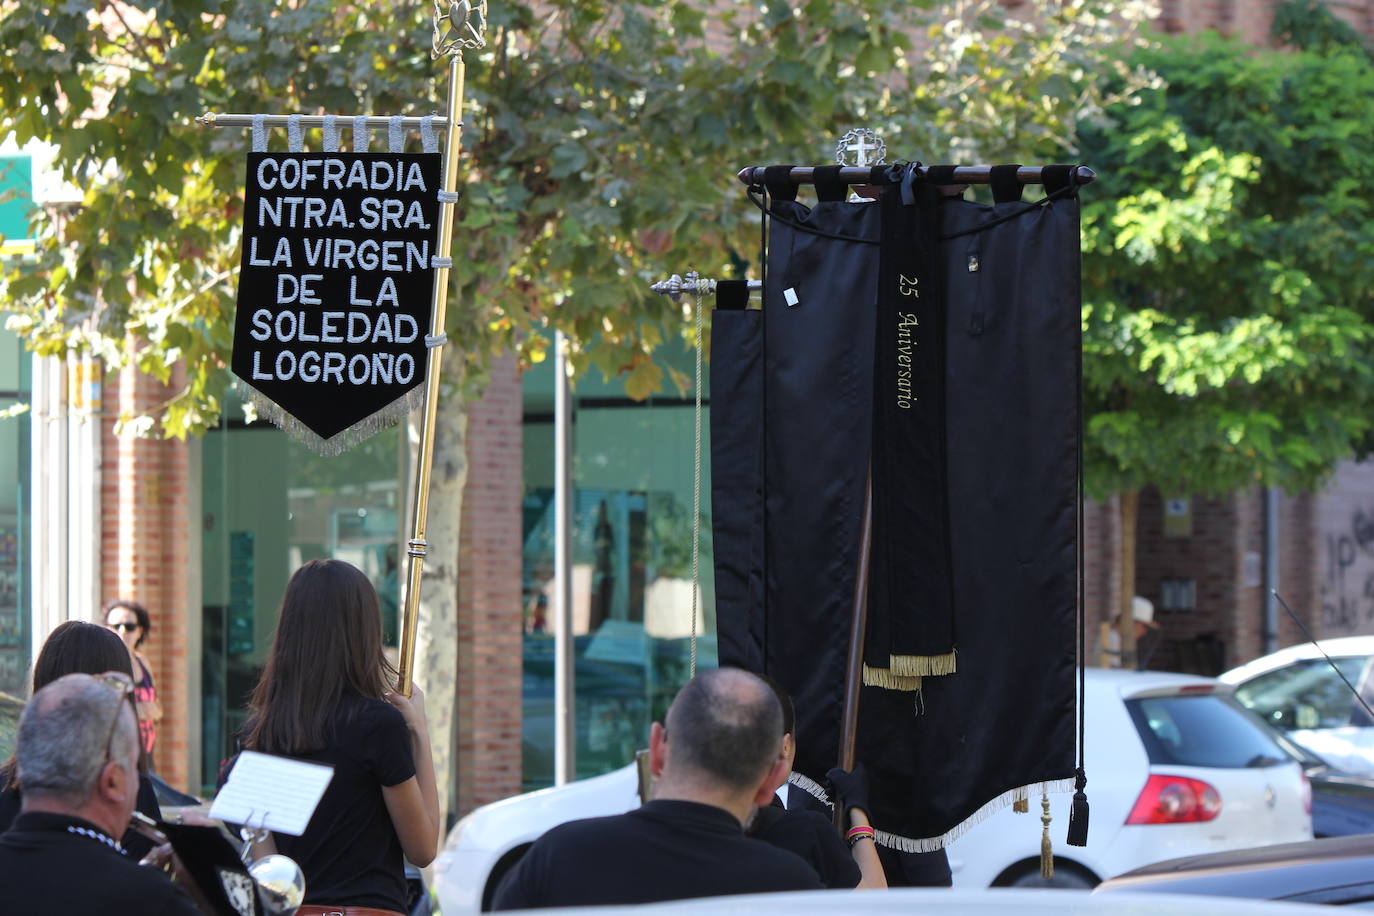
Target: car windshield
column 1202, row 731
column 1305, row 694
column 1295, row 750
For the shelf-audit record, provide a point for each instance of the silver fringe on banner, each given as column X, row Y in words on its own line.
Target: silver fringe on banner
column 930, row 844
column 390, row 415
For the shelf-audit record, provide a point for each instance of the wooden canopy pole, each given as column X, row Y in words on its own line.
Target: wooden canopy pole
column 858, row 628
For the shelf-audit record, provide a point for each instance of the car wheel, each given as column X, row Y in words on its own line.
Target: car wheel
column 1066, row 874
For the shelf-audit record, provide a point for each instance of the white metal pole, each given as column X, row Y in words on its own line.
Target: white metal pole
column 564, row 709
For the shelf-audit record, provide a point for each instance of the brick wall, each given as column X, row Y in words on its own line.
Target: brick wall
column 1250, row 20
column 1297, row 565
column 487, row 727
column 1325, row 569
column 1341, row 554
column 1358, row 13
column 1213, row 556
column 145, row 536
column 1101, row 571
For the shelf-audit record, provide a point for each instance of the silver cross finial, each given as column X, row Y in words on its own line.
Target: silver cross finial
column 861, row 147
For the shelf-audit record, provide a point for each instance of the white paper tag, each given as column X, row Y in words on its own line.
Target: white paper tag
column 273, row 792
column 789, row 296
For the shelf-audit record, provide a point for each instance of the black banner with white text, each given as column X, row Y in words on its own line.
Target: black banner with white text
column 336, row 282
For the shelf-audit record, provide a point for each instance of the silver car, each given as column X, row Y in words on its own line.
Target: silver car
column 1297, row 691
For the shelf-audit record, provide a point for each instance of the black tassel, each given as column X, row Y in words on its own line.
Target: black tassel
column 1078, row 812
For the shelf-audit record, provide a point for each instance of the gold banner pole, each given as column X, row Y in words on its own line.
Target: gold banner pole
column 456, row 28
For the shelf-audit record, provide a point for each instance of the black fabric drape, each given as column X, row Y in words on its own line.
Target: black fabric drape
column 818, row 363
column 1005, row 719
column 737, row 484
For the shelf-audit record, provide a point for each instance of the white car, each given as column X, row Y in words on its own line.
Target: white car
column 1296, row 691
column 1174, row 768
column 943, row 902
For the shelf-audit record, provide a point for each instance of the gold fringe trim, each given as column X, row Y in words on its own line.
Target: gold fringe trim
column 922, row 665
column 1046, row 847
column 1021, row 806
column 930, row 844
column 885, row 678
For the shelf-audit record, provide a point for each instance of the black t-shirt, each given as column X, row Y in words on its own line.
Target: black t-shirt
column 350, row 853
column 49, row 869
column 135, row 844
column 666, row 850
column 812, row 837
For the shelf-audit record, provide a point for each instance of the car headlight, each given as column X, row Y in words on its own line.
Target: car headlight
column 455, row 836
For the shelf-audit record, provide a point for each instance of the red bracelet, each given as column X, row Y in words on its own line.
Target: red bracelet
column 858, row 833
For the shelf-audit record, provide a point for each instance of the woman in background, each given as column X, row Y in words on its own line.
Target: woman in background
column 131, row 622
column 75, row 647
column 323, row 696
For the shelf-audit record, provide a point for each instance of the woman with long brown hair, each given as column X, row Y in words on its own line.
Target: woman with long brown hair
column 76, row 647
column 323, row 696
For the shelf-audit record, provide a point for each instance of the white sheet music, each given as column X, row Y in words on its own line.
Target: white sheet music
column 276, row 792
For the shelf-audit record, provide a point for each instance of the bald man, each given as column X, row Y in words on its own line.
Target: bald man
column 78, row 772
column 719, row 756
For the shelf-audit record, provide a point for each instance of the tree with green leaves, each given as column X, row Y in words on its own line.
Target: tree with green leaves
column 600, row 148
column 1228, row 267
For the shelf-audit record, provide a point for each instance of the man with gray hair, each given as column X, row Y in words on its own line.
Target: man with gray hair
column 77, row 761
column 718, row 757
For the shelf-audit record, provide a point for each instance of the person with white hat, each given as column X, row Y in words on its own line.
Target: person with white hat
column 1147, row 635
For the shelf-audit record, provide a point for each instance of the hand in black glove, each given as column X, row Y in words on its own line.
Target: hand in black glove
column 851, row 787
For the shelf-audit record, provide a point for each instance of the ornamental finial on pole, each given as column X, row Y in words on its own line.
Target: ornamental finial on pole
column 861, row 147
column 459, row 25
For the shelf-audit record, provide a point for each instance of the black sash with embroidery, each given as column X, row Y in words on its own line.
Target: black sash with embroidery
column 911, row 608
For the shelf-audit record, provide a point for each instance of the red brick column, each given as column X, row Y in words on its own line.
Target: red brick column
column 1101, row 568
column 1247, row 629
column 144, row 550
column 1299, row 567
column 487, row 730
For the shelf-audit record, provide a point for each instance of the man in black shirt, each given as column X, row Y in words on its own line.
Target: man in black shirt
column 795, row 821
column 77, row 765
column 718, row 756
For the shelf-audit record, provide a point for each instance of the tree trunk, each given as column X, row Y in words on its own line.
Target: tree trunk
column 1129, row 502
column 436, row 641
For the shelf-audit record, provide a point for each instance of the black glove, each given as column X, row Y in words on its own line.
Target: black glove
column 851, row 787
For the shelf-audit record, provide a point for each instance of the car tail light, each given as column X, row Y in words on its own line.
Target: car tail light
column 1175, row 800
column 1306, row 794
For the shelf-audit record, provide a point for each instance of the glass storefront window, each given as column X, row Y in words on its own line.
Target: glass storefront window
column 269, row 505
column 15, row 384
column 632, row 571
